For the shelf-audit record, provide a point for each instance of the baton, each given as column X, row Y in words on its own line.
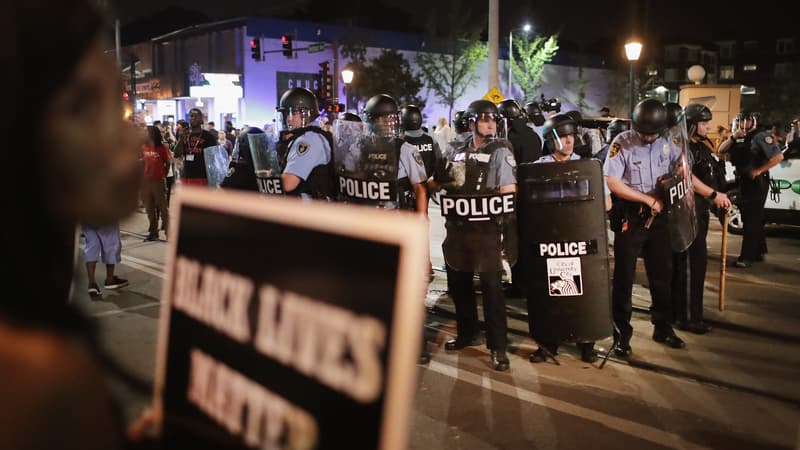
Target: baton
column 723, row 258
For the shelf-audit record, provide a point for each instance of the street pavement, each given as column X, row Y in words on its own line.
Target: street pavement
column 737, row 387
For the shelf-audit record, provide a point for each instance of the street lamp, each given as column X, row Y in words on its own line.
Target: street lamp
column 633, row 50
column 526, row 29
column 347, row 77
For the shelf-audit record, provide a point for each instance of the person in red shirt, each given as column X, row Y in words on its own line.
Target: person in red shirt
column 157, row 159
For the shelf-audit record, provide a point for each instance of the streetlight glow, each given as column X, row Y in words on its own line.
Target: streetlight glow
column 526, row 28
column 633, row 50
column 347, row 76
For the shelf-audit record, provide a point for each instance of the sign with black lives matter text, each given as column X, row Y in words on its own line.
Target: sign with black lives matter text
column 288, row 324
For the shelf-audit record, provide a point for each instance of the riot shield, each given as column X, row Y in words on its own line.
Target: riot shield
column 366, row 165
column 265, row 163
column 563, row 235
column 480, row 221
column 216, row 159
column 675, row 189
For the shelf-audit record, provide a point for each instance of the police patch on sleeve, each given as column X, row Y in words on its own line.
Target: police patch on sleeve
column 302, row 148
column 418, row 158
column 768, row 140
column 615, row 147
column 676, row 139
column 511, row 161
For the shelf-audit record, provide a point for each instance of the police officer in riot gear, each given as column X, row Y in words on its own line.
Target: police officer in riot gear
column 674, row 111
column 527, row 148
column 688, row 288
column 241, row 171
column 559, row 136
column 461, row 127
column 753, row 153
column 308, row 172
column 614, row 128
column 427, row 147
column 635, row 162
column 481, row 170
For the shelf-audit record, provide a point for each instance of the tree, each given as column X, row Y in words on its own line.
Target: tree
column 449, row 75
column 532, row 57
column 581, row 82
column 389, row 73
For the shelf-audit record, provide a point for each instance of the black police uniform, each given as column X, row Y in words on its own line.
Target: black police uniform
column 689, row 271
column 748, row 153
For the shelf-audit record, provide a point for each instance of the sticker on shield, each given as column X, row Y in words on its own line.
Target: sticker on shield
column 564, row 277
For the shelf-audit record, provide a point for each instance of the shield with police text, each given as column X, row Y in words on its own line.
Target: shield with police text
column 480, row 221
column 563, row 233
column 675, row 189
column 366, row 165
column 266, row 163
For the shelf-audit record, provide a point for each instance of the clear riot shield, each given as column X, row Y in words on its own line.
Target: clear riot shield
column 366, row 165
column 216, row 159
column 265, row 163
column 480, row 221
column 675, row 189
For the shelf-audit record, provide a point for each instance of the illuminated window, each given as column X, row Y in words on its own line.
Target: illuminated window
column 726, row 72
column 750, row 67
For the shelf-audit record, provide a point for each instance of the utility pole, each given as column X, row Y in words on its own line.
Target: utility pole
column 117, row 39
column 494, row 41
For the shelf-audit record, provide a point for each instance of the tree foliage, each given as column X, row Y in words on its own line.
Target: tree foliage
column 533, row 54
column 389, row 73
column 449, row 75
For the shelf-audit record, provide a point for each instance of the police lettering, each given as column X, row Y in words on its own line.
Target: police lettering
column 380, row 156
column 678, row 191
column 477, row 208
column 270, row 185
column 424, row 147
column 364, row 189
column 563, row 249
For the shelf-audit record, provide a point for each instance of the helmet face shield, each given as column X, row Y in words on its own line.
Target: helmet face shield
column 385, row 125
column 489, row 125
column 293, row 118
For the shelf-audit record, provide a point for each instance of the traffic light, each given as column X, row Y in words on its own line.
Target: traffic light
column 326, row 80
column 255, row 49
column 286, row 40
column 333, row 107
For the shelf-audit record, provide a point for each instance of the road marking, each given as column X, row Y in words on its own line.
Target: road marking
column 624, row 426
column 136, row 263
column 124, row 310
column 145, row 262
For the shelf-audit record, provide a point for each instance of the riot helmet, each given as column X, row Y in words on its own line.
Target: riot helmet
column 616, row 127
column 460, row 123
column 298, row 107
column 697, row 113
column 481, row 110
column 350, row 117
column 556, row 127
column 510, row 109
column 741, row 121
column 242, row 154
column 575, row 115
column 381, row 114
column 412, row 118
column 674, row 111
column 649, row 117
column 535, row 114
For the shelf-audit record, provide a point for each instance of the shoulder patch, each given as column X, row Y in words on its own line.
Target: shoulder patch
column 511, row 161
column 768, row 139
column 302, row 147
column 418, row 158
column 676, row 139
column 615, row 148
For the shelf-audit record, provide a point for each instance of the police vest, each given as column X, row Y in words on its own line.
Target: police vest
column 320, row 182
column 474, row 206
column 705, row 167
column 381, row 185
column 424, row 145
column 742, row 156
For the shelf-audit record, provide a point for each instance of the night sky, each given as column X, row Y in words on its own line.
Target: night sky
column 581, row 22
